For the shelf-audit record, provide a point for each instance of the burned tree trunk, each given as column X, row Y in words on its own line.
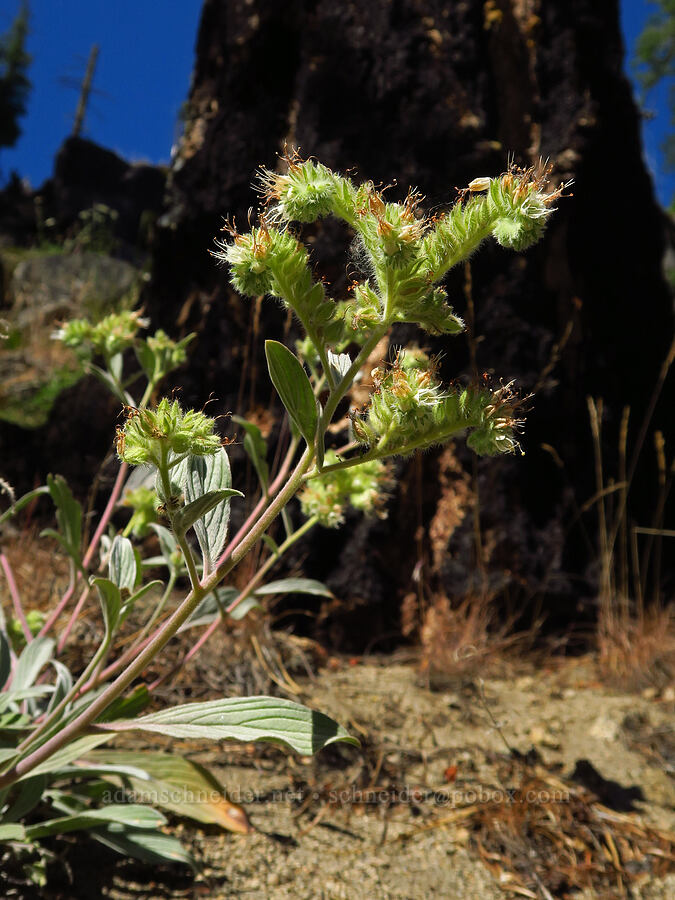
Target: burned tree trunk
column 434, row 94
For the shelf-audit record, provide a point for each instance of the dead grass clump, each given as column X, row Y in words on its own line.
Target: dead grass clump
column 554, row 839
column 639, row 649
column 458, row 640
column 636, row 626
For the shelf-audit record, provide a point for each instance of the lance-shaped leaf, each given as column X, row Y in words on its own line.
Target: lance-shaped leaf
column 27, row 798
column 5, row 658
column 185, row 517
column 33, row 657
column 12, row 832
column 68, row 754
column 23, row 501
column 211, row 607
column 294, row 388
column 148, row 846
column 68, row 516
column 256, row 447
column 111, row 604
column 244, row 608
column 243, row 719
column 176, row 784
column 122, row 564
column 210, row 475
column 295, row 586
column 64, row 682
column 129, row 815
column 130, row 705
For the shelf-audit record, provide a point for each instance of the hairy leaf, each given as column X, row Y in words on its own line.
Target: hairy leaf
column 294, row 388
column 244, row 719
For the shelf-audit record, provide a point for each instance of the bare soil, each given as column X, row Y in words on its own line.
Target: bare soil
column 534, row 782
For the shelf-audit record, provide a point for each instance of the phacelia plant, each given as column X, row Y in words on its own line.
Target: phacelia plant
column 52, row 719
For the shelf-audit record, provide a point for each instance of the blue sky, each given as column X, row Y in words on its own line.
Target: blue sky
column 143, row 76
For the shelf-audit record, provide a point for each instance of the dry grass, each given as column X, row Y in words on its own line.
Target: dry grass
column 636, row 624
column 459, row 641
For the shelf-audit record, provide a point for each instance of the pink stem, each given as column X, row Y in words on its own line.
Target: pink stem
column 191, row 652
column 73, row 619
column 91, row 549
column 260, row 506
column 16, row 598
column 117, row 665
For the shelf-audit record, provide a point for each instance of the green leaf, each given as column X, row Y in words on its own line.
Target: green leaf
column 167, row 544
column 129, row 815
column 295, row 586
column 64, row 682
column 12, row 832
column 68, row 754
column 7, row 753
column 15, row 721
column 68, row 517
column 256, row 448
column 294, row 388
column 188, row 515
column 106, row 379
column 33, row 657
column 27, row 797
column 211, row 607
column 147, row 846
column 130, row 705
column 111, row 603
column 146, row 358
column 122, row 564
column 244, row 608
column 271, row 543
column 244, row 719
column 205, row 475
column 178, row 785
column 5, row 658
column 14, row 696
column 320, row 442
column 23, row 501
column 141, row 592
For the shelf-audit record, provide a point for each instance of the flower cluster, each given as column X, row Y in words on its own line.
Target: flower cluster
column 410, row 410
column 327, row 496
column 270, row 261
column 402, row 253
column 149, row 436
column 160, row 354
column 144, row 502
column 113, row 334
column 307, row 191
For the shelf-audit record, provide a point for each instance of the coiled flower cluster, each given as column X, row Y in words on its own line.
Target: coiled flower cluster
column 149, row 435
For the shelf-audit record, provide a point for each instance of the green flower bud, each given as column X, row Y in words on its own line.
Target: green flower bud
column 409, row 410
column 149, row 435
column 362, row 487
column 159, row 354
column 306, row 192
column 110, row 336
column 248, row 257
column 143, row 501
column 75, row 334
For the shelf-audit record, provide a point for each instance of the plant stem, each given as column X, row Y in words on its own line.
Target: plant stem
column 272, row 561
column 16, row 598
column 262, row 503
column 88, row 556
column 165, row 633
column 246, row 592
